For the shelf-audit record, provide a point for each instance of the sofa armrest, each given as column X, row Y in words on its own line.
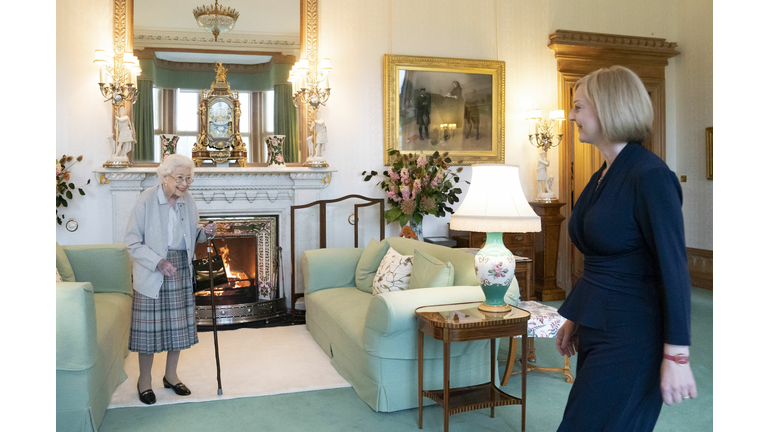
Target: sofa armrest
column 75, row 326
column 106, row 266
column 329, row 268
column 391, row 323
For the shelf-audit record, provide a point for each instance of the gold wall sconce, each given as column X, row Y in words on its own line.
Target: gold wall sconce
column 310, row 86
column 117, row 76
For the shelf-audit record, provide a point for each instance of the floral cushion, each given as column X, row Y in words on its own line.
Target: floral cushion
column 544, row 322
column 394, row 273
column 58, row 276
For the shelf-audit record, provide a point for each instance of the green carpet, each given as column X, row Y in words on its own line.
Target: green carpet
column 342, row 410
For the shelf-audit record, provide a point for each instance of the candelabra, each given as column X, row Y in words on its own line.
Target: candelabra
column 310, row 87
column 117, row 77
column 545, row 133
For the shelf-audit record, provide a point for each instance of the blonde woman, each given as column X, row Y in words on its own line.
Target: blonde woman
column 629, row 315
column 161, row 236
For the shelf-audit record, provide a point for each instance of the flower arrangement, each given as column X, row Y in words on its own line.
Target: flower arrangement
column 417, row 186
column 63, row 188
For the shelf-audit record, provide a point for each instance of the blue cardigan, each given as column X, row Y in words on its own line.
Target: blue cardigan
column 630, row 230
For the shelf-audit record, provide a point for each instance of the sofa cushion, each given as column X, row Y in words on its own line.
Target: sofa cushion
column 394, row 273
column 63, row 265
column 429, row 272
column 106, row 266
column 463, row 262
column 369, row 264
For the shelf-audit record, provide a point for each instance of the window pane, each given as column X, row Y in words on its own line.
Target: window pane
column 245, row 113
column 156, row 156
column 185, row 144
column 270, row 108
column 186, row 111
column 156, row 107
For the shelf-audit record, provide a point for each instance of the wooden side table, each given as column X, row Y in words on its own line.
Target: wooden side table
column 461, row 322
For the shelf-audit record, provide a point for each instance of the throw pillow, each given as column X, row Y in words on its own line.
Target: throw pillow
column 369, row 264
column 394, row 273
column 429, row 272
column 63, row 266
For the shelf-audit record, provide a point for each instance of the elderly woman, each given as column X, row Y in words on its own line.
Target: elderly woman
column 629, row 315
column 161, row 237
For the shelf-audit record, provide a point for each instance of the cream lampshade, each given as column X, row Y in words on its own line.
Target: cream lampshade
column 495, row 204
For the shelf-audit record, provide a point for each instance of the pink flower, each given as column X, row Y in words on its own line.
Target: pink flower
column 58, row 168
column 417, row 186
column 393, row 175
column 279, row 158
column 393, row 196
column 422, row 161
column 406, row 191
column 404, row 176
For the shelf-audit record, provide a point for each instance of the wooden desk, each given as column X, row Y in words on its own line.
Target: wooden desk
column 464, row 322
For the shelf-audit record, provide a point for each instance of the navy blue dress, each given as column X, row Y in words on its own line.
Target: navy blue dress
column 634, row 295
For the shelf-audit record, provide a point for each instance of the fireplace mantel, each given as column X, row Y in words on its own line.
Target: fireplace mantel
column 224, row 192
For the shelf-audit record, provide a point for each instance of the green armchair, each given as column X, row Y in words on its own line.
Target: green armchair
column 93, row 319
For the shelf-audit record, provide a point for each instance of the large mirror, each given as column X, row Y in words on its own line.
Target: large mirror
column 178, row 62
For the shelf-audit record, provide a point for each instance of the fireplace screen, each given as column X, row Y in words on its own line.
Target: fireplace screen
column 251, row 254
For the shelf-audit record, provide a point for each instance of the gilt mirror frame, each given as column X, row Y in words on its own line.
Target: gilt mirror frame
column 122, row 26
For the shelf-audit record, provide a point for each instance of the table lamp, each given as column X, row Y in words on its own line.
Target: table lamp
column 495, row 204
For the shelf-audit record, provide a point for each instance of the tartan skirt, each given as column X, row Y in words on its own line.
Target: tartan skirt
column 166, row 323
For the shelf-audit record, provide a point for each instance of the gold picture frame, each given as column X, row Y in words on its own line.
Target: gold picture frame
column 461, row 108
column 708, row 134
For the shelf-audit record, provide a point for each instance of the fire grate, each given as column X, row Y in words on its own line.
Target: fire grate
column 251, row 253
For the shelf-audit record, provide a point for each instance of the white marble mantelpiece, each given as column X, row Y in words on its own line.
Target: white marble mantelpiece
column 231, row 191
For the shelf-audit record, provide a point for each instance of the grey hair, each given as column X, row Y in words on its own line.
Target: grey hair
column 171, row 162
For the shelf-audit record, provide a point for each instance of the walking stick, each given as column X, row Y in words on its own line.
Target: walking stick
column 213, row 314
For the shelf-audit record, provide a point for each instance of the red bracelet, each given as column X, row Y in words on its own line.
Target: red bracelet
column 680, row 359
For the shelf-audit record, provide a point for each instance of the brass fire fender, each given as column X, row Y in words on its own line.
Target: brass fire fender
column 200, row 152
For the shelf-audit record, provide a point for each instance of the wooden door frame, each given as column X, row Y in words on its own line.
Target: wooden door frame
column 578, row 54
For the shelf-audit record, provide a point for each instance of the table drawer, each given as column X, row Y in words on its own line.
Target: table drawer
column 518, row 238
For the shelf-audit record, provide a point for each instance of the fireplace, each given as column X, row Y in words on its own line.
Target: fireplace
column 251, row 252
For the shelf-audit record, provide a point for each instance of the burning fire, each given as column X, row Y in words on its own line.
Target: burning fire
column 238, row 276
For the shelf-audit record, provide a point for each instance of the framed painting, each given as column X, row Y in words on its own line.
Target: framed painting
column 444, row 104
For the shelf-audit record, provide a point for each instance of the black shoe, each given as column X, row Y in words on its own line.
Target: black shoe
column 179, row 388
column 147, row 396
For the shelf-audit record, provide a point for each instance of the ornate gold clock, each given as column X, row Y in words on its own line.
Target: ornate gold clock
column 219, row 139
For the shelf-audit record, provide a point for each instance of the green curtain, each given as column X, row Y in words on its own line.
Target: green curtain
column 287, row 121
column 144, row 122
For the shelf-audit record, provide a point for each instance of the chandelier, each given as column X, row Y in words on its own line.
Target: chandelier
column 216, row 19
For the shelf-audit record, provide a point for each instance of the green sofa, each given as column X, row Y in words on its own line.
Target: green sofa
column 371, row 340
column 93, row 319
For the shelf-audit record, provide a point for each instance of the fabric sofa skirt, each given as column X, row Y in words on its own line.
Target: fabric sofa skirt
column 387, row 384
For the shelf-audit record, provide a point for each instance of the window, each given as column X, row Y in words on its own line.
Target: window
column 176, row 114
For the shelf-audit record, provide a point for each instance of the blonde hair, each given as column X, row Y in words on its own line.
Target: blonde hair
column 621, row 102
column 171, row 162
